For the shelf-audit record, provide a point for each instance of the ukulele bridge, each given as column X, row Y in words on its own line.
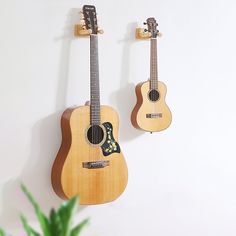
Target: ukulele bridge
column 95, row 164
column 154, row 115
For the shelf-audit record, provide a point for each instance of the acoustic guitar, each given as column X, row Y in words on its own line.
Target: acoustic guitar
column 90, row 162
column 151, row 112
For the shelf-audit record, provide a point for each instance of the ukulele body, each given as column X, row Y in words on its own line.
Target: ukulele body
column 96, row 172
column 151, row 115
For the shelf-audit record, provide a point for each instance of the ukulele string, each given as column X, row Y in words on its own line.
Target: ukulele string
column 156, row 64
column 153, row 74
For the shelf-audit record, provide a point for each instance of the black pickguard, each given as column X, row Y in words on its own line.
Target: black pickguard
column 110, row 145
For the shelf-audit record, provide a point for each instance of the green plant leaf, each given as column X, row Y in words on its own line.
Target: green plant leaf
column 77, row 229
column 66, row 213
column 2, row 232
column 55, row 223
column 44, row 223
column 29, row 230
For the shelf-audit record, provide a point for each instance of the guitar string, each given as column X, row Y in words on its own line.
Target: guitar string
column 91, row 101
column 95, row 126
column 91, row 110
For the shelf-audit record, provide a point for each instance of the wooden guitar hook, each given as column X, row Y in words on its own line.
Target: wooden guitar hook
column 141, row 33
column 81, row 31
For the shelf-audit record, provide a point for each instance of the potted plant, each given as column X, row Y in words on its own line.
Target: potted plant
column 58, row 223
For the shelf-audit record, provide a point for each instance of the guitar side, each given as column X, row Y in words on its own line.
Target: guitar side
column 137, row 106
column 144, row 107
column 62, row 153
column 69, row 177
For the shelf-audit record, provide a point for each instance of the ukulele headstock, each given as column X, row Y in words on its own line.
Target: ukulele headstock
column 150, row 32
column 152, row 27
column 88, row 23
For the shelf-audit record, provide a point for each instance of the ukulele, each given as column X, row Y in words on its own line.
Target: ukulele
column 90, row 162
column 151, row 112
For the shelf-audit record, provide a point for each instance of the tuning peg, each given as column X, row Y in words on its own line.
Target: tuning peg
column 82, row 22
column 159, row 34
column 144, row 23
column 100, row 31
column 145, row 30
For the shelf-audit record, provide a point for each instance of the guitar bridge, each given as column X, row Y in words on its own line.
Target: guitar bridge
column 154, row 115
column 95, row 164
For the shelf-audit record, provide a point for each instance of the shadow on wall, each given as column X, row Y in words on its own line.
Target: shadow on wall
column 36, row 173
column 63, row 73
column 125, row 97
column 45, row 142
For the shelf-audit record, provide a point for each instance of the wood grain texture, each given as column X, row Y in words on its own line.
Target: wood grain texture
column 69, row 178
column 145, row 106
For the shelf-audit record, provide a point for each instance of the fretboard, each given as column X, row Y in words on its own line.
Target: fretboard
column 153, row 64
column 94, row 81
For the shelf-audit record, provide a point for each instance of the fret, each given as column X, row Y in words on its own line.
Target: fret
column 94, row 82
column 153, row 64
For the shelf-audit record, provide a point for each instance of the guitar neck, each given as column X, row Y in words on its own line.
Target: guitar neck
column 153, row 64
column 94, row 81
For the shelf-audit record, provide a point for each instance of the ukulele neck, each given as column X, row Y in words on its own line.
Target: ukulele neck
column 153, row 64
column 94, row 81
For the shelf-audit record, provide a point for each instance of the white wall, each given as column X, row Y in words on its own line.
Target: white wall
column 181, row 181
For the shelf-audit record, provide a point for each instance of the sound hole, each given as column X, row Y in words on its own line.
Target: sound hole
column 95, row 134
column 153, row 95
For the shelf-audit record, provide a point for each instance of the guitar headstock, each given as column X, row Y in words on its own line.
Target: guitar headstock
column 88, row 25
column 90, row 18
column 152, row 27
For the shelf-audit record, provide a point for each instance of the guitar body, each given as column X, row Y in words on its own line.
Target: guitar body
column 151, row 115
column 96, row 172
